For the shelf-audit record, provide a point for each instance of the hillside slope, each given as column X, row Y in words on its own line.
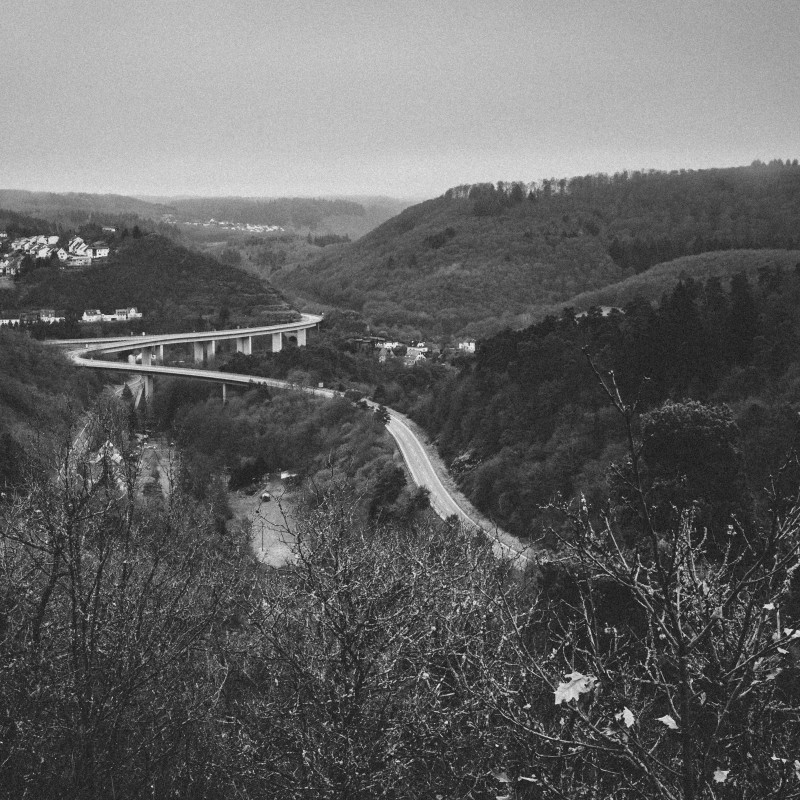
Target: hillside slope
column 482, row 257
column 660, row 279
column 171, row 285
column 78, row 207
column 439, row 268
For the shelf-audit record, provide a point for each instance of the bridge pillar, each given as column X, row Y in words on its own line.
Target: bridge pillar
column 197, row 348
column 277, row 342
column 147, row 356
column 301, row 337
column 211, row 349
column 160, row 352
column 224, row 393
column 148, row 388
column 244, row 345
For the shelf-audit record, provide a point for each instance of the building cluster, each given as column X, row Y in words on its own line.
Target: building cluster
column 46, row 315
column 120, row 315
column 76, row 253
column 242, row 227
column 49, row 316
column 411, row 354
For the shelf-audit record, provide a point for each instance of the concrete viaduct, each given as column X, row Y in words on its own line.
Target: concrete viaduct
column 204, row 346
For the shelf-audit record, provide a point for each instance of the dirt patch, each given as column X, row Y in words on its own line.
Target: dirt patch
column 270, row 521
column 157, row 467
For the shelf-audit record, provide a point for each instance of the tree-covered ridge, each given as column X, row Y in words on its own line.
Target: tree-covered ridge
column 72, row 209
column 660, row 279
column 174, row 287
column 16, row 224
column 438, row 269
column 528, row 420
column 483, row 255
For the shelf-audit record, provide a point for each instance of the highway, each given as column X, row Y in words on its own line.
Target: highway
column 118, row 344
column 414, row 450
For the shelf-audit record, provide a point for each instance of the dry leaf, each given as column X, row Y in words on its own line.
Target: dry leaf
column 573, row 688
column 626, row 716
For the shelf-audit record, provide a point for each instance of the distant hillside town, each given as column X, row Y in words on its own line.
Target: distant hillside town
column 74, row 252
column 243, row 227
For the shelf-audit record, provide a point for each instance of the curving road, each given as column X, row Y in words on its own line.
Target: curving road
column 417, row 454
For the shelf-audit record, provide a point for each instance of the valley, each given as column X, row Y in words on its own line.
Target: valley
column 412, row 529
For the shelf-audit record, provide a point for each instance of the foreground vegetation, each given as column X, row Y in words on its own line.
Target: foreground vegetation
column 145, row 653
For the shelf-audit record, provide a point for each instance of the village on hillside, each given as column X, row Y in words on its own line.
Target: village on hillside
column 74, row 252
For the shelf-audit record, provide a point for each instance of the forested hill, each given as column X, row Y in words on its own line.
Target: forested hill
column 483, row 256
column 71, row 209
column 175, row 288
column 528, row 421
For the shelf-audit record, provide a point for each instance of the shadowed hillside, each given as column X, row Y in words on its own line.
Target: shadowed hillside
column 173, row 287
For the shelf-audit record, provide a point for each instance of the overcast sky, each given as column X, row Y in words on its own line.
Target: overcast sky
column 404, row 98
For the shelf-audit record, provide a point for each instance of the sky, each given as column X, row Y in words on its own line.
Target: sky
column 403, row 98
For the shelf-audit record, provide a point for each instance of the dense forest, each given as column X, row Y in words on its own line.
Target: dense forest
column 145, row 653
column 529, row 420
column 486, row 255
column 71, row 210
column 175, row 288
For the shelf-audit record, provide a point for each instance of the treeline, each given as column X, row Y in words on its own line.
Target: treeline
column 294, row 212
column 529, row 421
column 16, row 224
column 326, row 239
column 654, row 216
column 72, row 209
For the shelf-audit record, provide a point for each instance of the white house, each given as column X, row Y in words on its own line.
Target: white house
column 98, row 250
column 127, row 313
column 119, row 315
column 467, row 346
